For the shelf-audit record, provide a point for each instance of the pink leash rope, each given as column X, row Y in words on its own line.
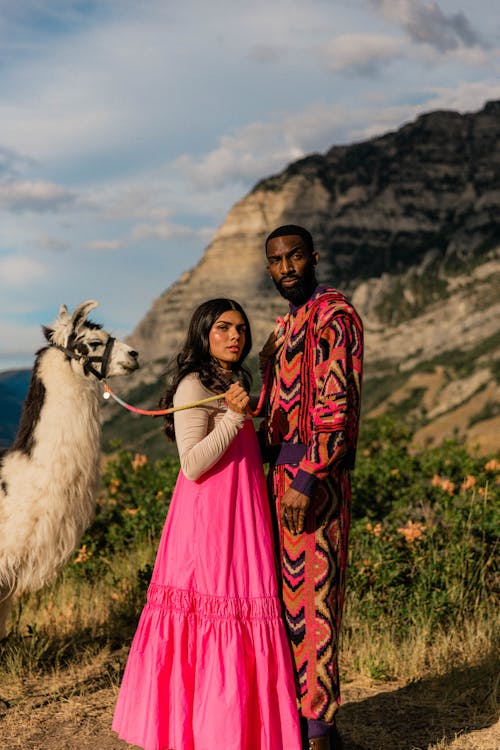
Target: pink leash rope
column 108, row 393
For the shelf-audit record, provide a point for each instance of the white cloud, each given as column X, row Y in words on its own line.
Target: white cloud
column 163, row 231
column 464, row 97
column 20, row 271
column 18, row 344
column 262, row 148
column 54, row 244
column 33, row 195
column 104, row 245
column 11, row 163
column 426, row 23
column 266, row 53
column 362, row 54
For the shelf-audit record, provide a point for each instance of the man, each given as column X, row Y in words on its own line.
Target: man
column 314, row 367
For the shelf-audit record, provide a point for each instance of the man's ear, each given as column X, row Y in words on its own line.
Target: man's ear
column 315, row 257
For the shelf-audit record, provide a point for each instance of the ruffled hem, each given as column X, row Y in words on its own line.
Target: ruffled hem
column 214, row 607
column 201, row 682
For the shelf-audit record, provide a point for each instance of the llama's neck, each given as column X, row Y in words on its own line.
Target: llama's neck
column 68, row 429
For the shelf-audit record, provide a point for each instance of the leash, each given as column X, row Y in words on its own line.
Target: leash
column 108, row 393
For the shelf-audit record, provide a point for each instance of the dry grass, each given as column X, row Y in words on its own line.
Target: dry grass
column 422, row 652
column 61, row 667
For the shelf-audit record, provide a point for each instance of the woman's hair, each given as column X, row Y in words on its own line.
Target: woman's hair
column 195, row 356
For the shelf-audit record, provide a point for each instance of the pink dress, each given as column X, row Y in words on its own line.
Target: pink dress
column 210, row 666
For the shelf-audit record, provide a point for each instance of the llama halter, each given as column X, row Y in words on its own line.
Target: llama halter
column 87, row 361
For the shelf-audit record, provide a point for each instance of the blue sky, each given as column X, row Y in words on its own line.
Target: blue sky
column 128, row 128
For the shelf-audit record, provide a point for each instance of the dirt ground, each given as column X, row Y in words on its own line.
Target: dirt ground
column 457, row 712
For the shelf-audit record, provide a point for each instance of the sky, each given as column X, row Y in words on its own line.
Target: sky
column 128, row 128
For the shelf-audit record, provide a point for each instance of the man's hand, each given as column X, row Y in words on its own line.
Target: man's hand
column 293, row 509
column 274, row 342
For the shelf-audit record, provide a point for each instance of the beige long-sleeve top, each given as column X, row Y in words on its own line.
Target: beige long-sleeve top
column 202, row 433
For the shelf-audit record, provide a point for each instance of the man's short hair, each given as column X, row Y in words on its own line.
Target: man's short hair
column 289, row 229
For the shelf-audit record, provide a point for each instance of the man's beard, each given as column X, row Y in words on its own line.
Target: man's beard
column 302, row 290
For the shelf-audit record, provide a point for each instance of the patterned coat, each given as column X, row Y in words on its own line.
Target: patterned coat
column 311, row 431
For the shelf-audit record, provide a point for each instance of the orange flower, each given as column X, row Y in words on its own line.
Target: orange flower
column 444, row 483
column 412, row 531
column 492, row 465
column 468, row 483
column 131, row 511
column 375, row 530
column 83, row 555
column 139, row 460
column 114, row 485
column 448, row 486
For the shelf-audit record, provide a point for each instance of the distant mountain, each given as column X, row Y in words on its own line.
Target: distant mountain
column 408, row 224
column 13, row 389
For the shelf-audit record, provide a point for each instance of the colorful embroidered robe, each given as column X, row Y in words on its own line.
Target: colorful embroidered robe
column 311, row 430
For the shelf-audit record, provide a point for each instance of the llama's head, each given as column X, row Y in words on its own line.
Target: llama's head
column 88, row 346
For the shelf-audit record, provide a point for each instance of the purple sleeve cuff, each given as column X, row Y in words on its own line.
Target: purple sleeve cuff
column 304, row 482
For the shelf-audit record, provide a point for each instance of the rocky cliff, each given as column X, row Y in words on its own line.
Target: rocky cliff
column 408, row 224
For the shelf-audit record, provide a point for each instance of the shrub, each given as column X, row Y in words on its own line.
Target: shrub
column 423, row 538
column 131, row 509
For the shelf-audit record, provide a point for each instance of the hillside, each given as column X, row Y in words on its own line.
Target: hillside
column 408, row 224
column 13, row 388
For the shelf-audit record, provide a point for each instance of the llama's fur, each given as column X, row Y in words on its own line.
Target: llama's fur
column 49, row 477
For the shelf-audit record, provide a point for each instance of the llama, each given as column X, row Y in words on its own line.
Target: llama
column 49, row 477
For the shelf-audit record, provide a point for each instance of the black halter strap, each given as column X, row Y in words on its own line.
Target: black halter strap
column 87, row 361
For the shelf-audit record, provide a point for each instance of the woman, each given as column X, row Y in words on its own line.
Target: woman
column 210, row 666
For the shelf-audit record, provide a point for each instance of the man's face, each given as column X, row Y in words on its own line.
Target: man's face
column 291, row 266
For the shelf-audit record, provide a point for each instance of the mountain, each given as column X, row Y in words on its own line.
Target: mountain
column 13, row 388
column 408, row 225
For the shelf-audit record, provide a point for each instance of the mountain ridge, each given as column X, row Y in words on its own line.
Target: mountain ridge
column 408, row 225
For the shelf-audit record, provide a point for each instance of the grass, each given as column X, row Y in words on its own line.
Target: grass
column 419, row 645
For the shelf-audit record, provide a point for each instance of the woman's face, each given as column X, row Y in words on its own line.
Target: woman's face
column 227, row 338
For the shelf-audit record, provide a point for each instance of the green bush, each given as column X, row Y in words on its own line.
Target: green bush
column 424, row 531
column 131, row 509
column 423, row 535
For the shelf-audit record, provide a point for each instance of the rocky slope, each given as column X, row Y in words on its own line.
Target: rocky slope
column 408, row 224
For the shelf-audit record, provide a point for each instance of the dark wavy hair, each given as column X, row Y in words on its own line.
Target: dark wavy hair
column 195, row 356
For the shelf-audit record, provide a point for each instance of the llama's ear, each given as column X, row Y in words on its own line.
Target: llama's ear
column 81, row 312
column 63, row 313
column 48, row 332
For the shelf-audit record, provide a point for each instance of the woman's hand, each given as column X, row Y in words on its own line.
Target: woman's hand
column 237, row 398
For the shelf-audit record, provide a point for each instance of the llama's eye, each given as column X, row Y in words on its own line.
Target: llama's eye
column 95, row 344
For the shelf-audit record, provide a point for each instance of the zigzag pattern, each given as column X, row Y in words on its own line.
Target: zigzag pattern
column 313, row 583
column 314, row 399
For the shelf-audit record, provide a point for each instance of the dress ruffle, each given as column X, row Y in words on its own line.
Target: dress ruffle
column 214, row 607
column 201, row 682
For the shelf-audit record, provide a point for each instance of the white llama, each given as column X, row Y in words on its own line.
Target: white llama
column 49, row 478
